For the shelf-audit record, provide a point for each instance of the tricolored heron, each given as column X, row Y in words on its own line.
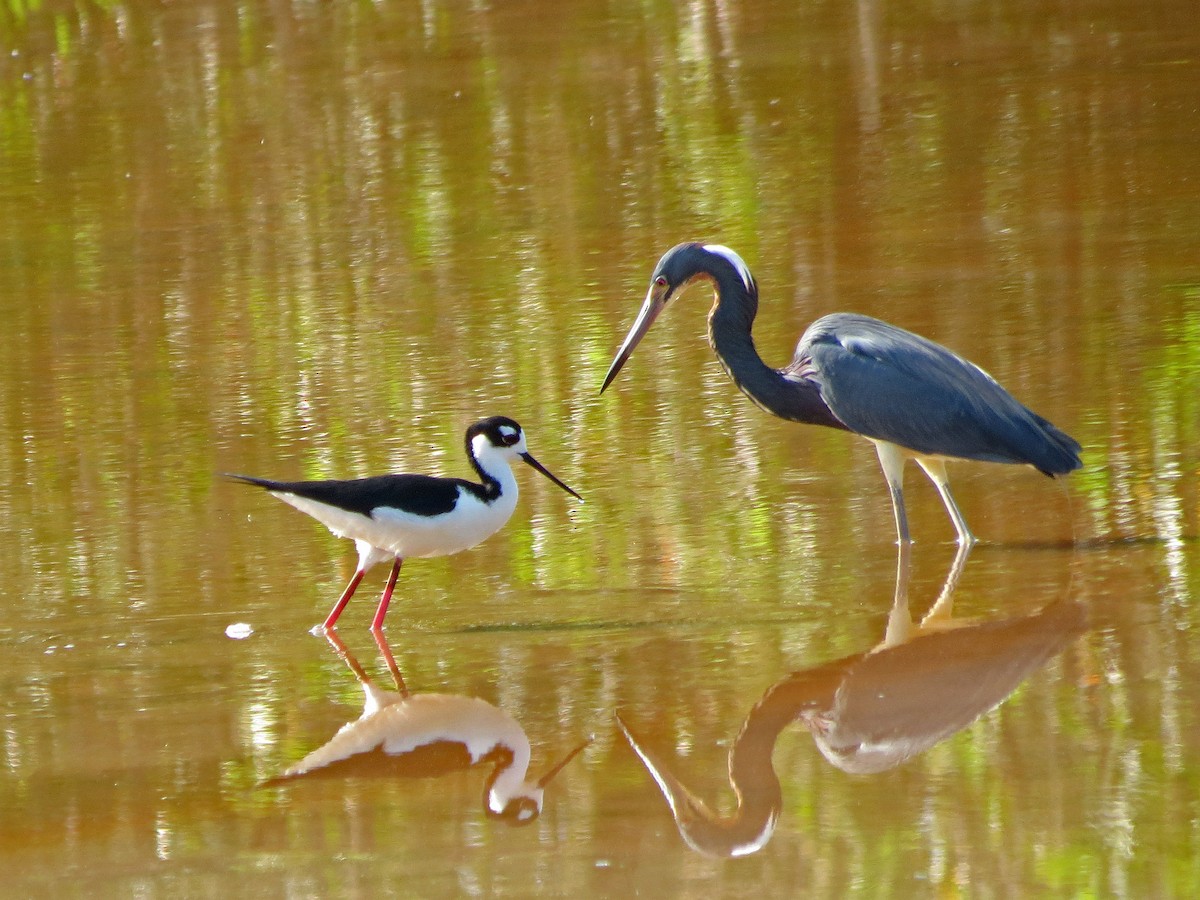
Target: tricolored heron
column 402, row 516
column 911, row 397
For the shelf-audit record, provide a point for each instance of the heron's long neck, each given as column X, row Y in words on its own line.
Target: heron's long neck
column 759, row 796
column 729, row 331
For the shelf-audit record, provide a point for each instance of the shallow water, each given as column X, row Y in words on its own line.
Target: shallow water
column 318, row 240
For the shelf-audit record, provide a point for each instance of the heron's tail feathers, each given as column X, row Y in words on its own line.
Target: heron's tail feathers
column 1059, row 453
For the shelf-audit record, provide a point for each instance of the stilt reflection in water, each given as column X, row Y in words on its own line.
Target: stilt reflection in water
column 872, row 711
column 406, row 735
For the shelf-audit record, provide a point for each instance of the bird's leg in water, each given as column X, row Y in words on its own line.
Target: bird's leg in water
column 899, row 625
column 891, row 460
column 943, row 607
column 377, row 624
column 936, row 470
column 331, row 619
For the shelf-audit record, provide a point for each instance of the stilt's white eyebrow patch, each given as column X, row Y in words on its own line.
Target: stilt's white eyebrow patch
column 507, row 431
column 737, row 262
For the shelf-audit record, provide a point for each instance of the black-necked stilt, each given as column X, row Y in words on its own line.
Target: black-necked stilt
column 401, row 734
column 869, row 712
column 402, row 516
column 911, row 397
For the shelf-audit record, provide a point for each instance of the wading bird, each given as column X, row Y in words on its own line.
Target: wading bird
column 403, row 516
column 911, row 397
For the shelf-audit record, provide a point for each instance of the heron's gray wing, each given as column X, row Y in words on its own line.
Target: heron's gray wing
column 890, row 384
column 899, row 701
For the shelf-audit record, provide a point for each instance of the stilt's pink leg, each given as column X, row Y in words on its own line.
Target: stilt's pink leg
column 332, row 618
column 382, row 644
column 377, row 625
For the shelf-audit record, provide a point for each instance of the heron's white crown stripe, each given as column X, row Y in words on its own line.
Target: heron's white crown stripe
column 737, row 261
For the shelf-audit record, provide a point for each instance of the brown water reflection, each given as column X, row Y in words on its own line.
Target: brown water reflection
column 871, row 711
column 406, row 735
column 322, row 238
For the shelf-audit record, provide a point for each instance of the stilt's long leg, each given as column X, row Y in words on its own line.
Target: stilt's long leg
column 891, row 460
column 386, row 650
column 375, row 698
column 340, row 649
column 332, row 618
column 368, row 556
column 377, row 624
column 936, row 470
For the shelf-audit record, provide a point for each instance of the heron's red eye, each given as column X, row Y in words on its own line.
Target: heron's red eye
column 660, row 281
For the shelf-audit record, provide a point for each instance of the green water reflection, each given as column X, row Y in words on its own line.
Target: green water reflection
column 318, row 239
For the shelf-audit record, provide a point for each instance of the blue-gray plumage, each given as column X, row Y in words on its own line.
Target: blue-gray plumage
column 911, row 397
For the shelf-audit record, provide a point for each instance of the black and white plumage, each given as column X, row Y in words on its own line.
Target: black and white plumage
column 402, row 516
column 911, row 397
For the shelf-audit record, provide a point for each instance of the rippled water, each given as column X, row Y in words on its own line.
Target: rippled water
column 319, row 239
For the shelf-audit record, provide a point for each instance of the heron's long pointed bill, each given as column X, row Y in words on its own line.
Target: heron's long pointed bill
column 678, row 797
column 546, row 779
column 655, row 304
column 528, row 457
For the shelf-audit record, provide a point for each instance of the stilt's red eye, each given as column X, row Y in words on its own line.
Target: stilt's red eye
column 660, row 281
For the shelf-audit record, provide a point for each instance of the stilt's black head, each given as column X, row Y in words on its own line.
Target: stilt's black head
column 500, row 435
column 500, row 431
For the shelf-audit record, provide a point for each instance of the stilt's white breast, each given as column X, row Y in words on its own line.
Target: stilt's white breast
column 470, row 522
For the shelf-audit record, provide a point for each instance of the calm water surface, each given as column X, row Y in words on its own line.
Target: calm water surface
column 319, row 239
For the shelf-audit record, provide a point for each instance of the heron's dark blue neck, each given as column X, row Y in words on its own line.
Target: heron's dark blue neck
column 750, row 825
column 729, row 331
column 750, row 769
column 753, row 779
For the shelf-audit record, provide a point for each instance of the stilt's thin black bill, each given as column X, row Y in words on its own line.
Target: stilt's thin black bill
column 549, row 776
column 528, row 457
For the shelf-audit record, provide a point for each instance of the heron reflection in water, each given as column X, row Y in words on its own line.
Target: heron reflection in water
column 872, row 711
column 425, row 735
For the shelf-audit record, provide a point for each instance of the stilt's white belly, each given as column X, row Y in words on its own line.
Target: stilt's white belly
column 407, row 535
column 471, row 522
